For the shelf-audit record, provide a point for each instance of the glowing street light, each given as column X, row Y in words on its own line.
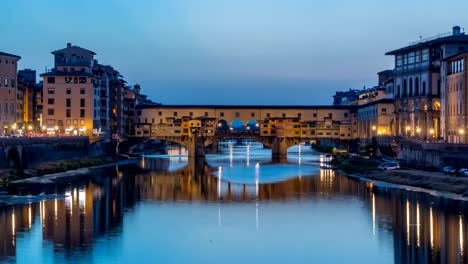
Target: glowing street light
column 461, row 131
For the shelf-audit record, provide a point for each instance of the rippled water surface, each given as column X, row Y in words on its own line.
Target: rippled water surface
column 238, row 206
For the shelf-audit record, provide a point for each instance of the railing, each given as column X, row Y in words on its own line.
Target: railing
column 421, row 40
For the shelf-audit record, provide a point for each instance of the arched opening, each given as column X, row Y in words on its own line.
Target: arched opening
column 416, row 86
column 13, row 158
column 404, row 88
column 237, row 126
column 222, row 126
column 423, row 88
column 410, row 93
column 253, row 126
column 398, row 92
column 436, row 106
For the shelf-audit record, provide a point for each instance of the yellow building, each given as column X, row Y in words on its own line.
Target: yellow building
column 70, row 105
column 8, row 93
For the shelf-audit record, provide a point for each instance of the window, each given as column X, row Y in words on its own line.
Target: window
column 221, row 114
column 68, row 113
column 68, row 122
column 82, row 102
column 68, row 90
column 75, row 122
column 50, row 111
column 175, row 113
column 283, row 114
column 299, row 115
column 425, row 55
column 12, row 82
column 82, row 90
column 152, row 120
column 206, row 113
column 237, row 114
column 345, row 114
column 268, row 115
column 50, row 91
column 384, row 111
column 6, row 82
column 252, row 114
column 399, row 60
column 51, row 101
column 315, row 114
column 68, row 102
column 82, row 122
column 160, row 113
column 330, row 115
column 50, row 79
column 82, row 113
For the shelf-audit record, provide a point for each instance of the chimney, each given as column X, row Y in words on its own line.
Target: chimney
column 68, row 45
column 456, row 31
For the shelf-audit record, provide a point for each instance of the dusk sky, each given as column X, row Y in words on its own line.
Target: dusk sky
column 229, row 52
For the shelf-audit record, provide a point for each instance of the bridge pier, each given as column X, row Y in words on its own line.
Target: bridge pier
column 279, row 147
column 196, row 147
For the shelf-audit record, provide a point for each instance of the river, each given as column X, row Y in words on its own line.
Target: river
column 238, row 206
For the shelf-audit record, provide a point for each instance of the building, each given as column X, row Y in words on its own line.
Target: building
column 131, row 115
column 346, row 98
column 110, row 87
column 8, row 93
column 81, row 96
column 417, row 80
column 70, row 102
column 454, row 111
column 27, row 100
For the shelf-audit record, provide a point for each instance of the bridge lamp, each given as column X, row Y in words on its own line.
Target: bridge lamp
column 431, row 131
column 418, row 130
column 56, row 127
column 29, row 127
column 374, row 128
column 461, row 131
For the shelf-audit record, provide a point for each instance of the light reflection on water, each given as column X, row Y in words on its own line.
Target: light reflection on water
column 237, row 206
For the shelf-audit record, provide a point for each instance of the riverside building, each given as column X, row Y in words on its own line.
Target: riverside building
column 8, row 93
column 418, row 85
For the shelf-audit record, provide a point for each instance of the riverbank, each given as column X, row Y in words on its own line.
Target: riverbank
column 427, row 180
column 7, row 176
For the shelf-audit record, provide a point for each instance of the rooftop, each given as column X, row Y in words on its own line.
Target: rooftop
column 9, row 55
column 305, row 107
column 70, row 46
column 455, row 37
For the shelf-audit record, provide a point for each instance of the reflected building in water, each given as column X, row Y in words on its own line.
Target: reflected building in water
column 424, row 228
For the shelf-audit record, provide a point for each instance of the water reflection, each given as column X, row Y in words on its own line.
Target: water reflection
column 423, row 228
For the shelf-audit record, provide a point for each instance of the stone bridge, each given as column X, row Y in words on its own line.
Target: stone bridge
column 196, row 145
column 24, row 152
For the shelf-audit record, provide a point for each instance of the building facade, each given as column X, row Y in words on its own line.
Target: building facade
column 27, row 100
column 69, row 97
column 417, row 83
column 8, row 93
column 454, row 98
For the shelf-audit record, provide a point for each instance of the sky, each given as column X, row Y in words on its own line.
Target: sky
column 237, row 52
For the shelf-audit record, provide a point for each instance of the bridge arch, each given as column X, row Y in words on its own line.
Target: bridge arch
column 253, row 125
column 13, row 157
column 237, row 125
column 222, row 125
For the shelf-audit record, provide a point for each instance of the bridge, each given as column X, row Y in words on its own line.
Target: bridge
column 276, row 127
column 23, row 152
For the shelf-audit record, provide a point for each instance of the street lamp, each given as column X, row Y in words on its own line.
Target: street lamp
column 408, row 128
column 431, row 131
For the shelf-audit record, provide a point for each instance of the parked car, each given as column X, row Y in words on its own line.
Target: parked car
column 393, row 165
column 449, row 170
column 463, row 172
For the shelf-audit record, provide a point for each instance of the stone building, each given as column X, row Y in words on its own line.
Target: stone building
column 417, row 83
column 70, row 102
column 8, row 93
column 82, row 97
column 27, row 100
column 454, row 115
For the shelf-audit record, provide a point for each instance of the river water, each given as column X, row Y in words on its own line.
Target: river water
column 238, row 206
